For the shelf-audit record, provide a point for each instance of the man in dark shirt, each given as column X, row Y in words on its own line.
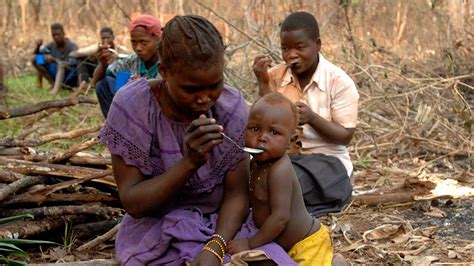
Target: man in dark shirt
column 53, row 62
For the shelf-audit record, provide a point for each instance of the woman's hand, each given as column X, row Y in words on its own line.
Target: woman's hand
column 260, row 68
column 201, row 136
column 238, row 245
column 305, row 114
column 105, row 56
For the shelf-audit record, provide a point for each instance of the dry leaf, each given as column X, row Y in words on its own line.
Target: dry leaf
column 429, row 231
column 421, row 261
column 453, row 255
column 435, row 212
column 383, row 231
column 402, row 238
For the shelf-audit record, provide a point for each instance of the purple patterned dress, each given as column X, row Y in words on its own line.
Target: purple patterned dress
column 138, row 131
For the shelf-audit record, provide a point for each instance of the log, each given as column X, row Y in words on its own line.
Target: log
column 31, row 168
column 28, row 110
column 76, row 198
column 19, row 184
column 59, row 211
column 11, row 142
column 24, row 229
column 9, row 176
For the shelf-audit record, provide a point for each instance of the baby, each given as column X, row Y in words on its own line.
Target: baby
column 275, row 194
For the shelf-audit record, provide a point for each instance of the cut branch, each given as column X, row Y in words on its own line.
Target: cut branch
column 28, row 110
column 30, row 168
column 58, row 211
column 76, row 198
column 73, row 150
column 11, row 142
column 19, row 184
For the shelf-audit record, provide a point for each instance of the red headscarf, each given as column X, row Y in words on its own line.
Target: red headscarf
column 149, row 22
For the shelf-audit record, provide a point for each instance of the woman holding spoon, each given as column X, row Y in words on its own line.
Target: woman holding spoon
column 183, row 186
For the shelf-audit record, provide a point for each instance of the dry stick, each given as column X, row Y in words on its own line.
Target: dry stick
column 89, row 160
column 19, row 184
column 50, row 189
column 380, row 118
column 239, row 30
column 75, row 159
column 11, row 142
column 73, row 198
column 23, row 229
column 396, row 197
column 28, row 131
column 58, row 211
column 100, row 239
column 22, row 111
column 30, row 168
column 39, row 116
column 73, row 150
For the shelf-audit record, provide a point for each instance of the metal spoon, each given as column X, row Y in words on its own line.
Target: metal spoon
column 246, row 149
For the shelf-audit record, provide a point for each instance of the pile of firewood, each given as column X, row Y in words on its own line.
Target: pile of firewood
column 58, row 189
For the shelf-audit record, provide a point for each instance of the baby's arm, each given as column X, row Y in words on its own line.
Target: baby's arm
column 280, row 193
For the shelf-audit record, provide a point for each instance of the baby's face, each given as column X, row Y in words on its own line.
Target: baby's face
column 269, row 127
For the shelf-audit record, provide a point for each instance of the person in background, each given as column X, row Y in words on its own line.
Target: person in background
column 145, row 33
column 87, row 56
column 327, row 104
column 53, row 62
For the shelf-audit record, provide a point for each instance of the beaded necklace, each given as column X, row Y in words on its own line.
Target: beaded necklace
column 257, row 179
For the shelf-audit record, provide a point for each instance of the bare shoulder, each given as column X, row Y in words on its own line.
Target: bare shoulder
column 282, row 168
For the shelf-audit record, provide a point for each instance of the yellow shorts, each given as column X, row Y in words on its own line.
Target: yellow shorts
column 315, row 249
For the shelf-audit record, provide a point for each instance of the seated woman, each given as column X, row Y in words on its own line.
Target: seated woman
column 182, row 185
column 145, row 33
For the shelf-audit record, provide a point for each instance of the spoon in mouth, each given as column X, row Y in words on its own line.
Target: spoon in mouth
column 245, row 149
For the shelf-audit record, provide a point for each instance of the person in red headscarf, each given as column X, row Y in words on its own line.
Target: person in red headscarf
column 113, row 72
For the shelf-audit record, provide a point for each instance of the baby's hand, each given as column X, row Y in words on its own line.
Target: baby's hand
column 39, row 42
column 237, row 245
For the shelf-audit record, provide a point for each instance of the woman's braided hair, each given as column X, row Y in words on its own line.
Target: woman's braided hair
column 191, row 41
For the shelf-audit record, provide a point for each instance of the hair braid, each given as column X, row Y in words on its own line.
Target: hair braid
column 190, row 40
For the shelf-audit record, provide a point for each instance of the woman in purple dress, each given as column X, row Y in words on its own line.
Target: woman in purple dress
column 182, row 185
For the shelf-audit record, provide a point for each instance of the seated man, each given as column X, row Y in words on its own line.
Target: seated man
column 87, row 56
column 145, row 33
column 56, row 65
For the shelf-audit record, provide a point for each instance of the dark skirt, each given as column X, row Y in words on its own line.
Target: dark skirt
column 324, row 182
